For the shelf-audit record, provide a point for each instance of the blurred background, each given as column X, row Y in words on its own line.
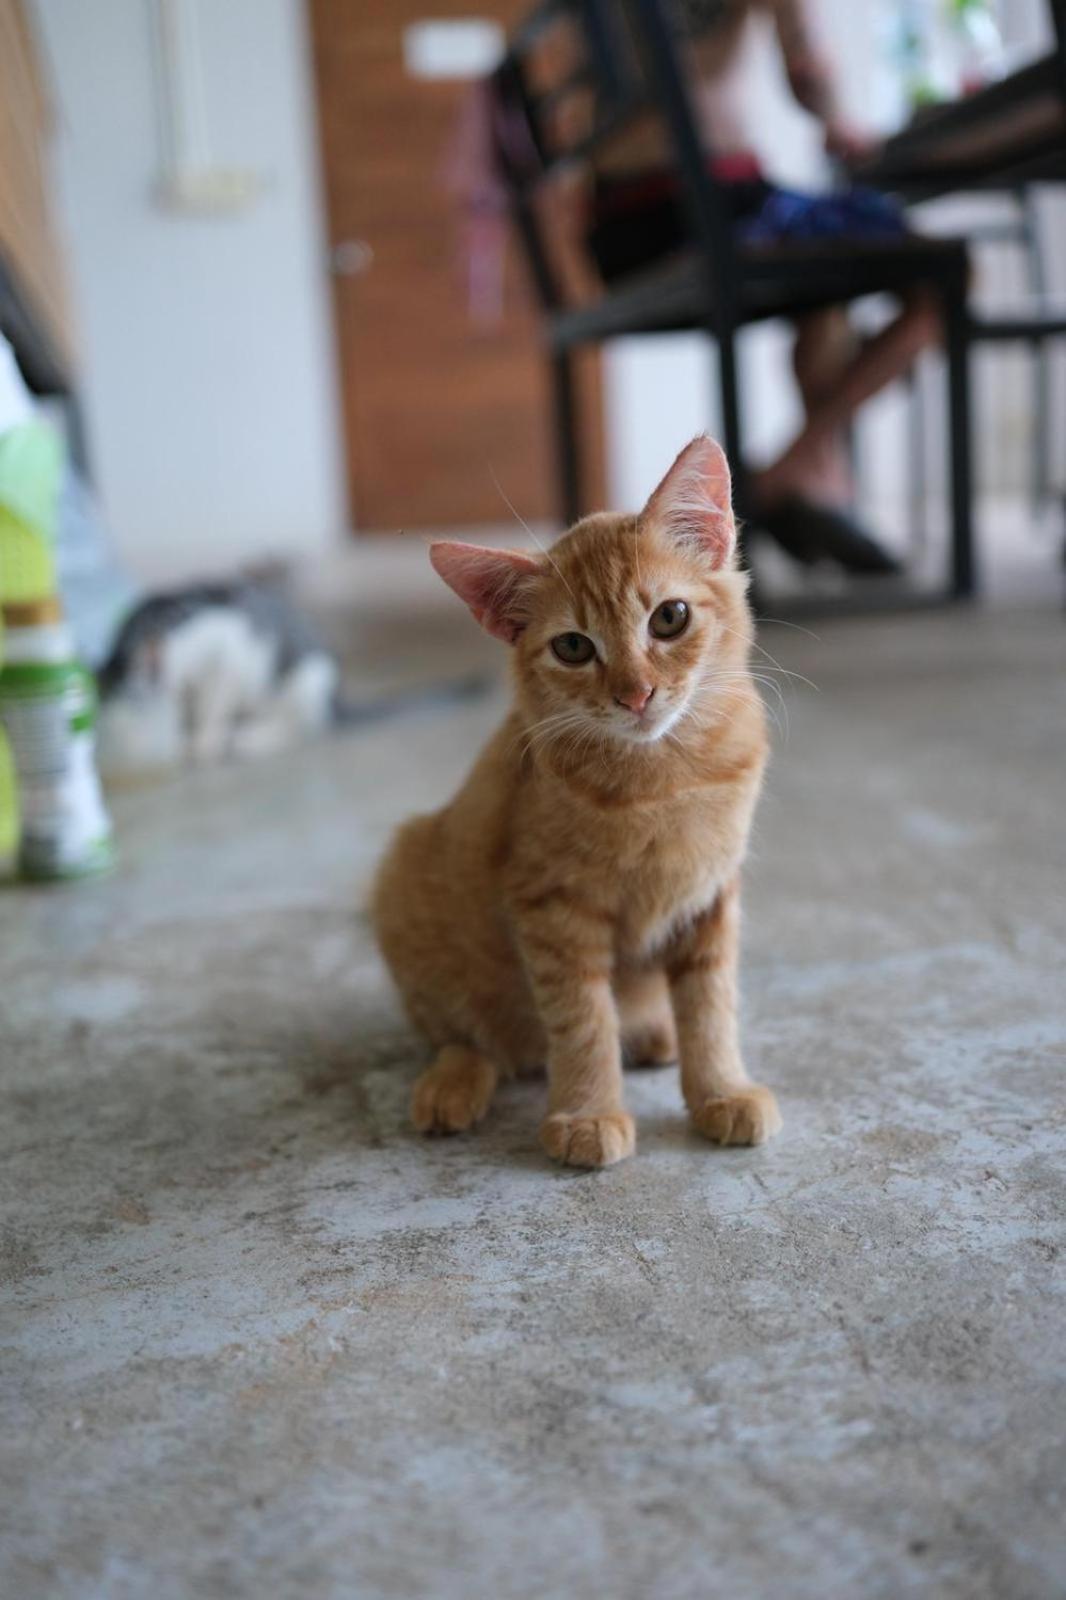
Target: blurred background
column 267, row 303
column 288, row 287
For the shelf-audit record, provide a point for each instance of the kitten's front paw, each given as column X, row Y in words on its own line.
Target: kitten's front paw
column 589, row 1141
column 750, row 1117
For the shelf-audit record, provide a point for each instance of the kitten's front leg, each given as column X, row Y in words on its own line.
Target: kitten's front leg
column 701, row 966
column 569, row 967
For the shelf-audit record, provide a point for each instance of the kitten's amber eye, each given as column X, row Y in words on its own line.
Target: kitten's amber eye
column 669, row 619
column 573, row 648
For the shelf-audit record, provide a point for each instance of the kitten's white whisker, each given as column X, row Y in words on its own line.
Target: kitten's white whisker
column 779, row 622
column 555, row 725
column 775, row 664
column 541, row 546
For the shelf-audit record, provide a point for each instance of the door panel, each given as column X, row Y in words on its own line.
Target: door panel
column 433, row 404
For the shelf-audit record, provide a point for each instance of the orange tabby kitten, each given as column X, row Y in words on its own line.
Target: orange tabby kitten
column 580, row 895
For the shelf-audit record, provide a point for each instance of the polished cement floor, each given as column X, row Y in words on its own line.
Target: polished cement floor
column 258, row 1340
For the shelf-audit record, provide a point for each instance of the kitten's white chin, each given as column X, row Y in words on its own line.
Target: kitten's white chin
column 647, row 732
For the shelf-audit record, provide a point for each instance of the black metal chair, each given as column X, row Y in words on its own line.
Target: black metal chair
column 620, row 61
column 1018, row 228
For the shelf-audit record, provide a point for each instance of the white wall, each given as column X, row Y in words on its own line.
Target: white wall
column 209, row 380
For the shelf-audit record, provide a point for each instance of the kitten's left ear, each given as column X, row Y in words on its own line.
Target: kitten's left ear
column 494, row 584
column 693, row 501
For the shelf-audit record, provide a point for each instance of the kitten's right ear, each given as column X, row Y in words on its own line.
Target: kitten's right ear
column 493, row 583
column 693, row 502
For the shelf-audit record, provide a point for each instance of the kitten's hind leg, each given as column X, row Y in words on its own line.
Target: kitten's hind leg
column 646, row 1018
column 455, row 1092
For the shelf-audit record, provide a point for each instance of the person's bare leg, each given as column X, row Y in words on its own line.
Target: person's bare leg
column 879, row 362
column 825, row 346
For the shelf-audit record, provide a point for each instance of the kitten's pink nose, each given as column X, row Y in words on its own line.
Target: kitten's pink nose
column 635, row 699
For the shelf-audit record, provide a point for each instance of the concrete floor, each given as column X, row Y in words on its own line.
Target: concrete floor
column 260, row 1340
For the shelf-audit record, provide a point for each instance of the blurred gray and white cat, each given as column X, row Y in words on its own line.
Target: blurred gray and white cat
column 229, row 669
column 212, row 670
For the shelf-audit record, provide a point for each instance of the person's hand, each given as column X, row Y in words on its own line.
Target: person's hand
column 849, row 144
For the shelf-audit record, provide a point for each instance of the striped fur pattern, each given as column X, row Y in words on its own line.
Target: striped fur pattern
column 578, row 899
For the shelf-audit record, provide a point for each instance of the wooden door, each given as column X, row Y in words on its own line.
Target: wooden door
column 27, row 238
column 434, row 404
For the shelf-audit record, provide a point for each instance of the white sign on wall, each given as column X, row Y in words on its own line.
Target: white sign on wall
column 459, row 47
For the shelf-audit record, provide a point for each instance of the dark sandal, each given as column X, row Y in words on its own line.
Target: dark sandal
column 810, row 533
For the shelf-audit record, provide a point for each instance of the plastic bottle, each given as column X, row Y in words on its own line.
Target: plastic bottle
column 978, row 45
column 9, row 831
column 916, row 48
column 48, row 712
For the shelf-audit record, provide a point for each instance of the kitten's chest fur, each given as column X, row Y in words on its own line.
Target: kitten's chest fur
column 646, row 865
column 671, row 865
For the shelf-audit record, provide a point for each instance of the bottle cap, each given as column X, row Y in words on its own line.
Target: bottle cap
column 31, row 613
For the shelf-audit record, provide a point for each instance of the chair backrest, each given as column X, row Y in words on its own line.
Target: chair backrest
column 1058, row 22
column 576, row 74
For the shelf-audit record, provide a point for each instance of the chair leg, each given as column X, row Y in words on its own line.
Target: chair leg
column 77, row 448
column 729, row 403
column 919, row 495
column 1031, row 238
column 964, row 577
column 729, row 399
column 568, row 459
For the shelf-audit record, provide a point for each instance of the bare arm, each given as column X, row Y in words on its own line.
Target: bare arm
column 812, row 79
column 809, row 71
